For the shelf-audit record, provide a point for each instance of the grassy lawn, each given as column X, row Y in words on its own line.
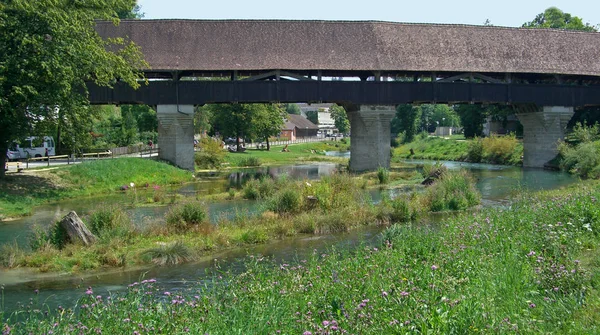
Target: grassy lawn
column 19, row 193
column 298, row 153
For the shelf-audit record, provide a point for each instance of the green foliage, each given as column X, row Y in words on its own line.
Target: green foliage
column 312, row 116
column 9, row 254
column 260, row 188
column 433, row 172
column 285, row 201
column 249, row 161
column 182, row 217
column 405, row 121
column 54, row 236
column 383, row 175
column 293, row 109
column 340, row 118
column 202, row 120
column 584, row 134
column 453, row 191
column 109, row 222
column 500, row 149
column 475, row 150
column 169, row 254
column 557, row 19
column 48, row 51
column 472, row 118
column 211, row 154
column 582, row 160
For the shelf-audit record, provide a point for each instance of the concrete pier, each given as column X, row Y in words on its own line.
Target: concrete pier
column 370, row 146
column 542, row 129
column 176, row 134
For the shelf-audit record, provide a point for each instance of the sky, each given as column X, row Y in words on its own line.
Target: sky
column 508, row 13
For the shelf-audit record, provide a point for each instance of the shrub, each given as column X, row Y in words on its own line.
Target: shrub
column 109, row 222
column 249, row 161
column 454, row 191
column 182, row 217
column 475, row 150
column 260, row 188
column 583, row 160
column 383, row 175
column 285, row 201
column 169, row 254
column 583, row 133
column 499, row 149
column 211, row 154
column 54, row 236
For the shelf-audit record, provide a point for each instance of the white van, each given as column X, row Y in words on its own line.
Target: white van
column 34, row 146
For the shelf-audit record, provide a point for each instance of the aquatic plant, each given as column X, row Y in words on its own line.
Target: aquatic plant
column 383, row 175
column 182, row 217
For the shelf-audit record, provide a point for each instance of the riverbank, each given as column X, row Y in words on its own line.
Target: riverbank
column 21, row 192
column 505, row 150
column 530, row 269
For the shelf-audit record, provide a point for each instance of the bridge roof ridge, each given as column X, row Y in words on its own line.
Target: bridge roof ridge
column 327, row 21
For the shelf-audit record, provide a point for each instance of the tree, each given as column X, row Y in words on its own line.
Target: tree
column 313, row 116
column 48, row 51
column 293, row 109
column 556, row 18
column 340, row 118
column 267, row 120
column 406, row 121
column 246, row 120
column 132, row 11
column 471, row 118
column 202, row 119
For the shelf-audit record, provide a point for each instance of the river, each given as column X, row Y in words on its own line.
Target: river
column 497, row 185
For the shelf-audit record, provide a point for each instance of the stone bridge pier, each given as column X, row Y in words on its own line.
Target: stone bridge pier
column 176, row 134
column 542, row 129
column 371, row 136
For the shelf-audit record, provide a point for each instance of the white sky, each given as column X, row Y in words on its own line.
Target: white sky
column 510, row 13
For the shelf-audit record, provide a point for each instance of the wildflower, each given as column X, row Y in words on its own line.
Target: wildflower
column 325, row 323
column 384, row 294
column 89, row 291
column 434, row 267
column 307, row 333
column 167, row 293
column 531, row 253
column 404, row 293
column 532, row 305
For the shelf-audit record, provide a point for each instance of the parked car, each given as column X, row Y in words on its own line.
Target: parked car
column 12, row 155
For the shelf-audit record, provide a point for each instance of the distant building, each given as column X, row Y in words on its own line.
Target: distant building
column 499, row 127
column 297, row 126
column 326, row 123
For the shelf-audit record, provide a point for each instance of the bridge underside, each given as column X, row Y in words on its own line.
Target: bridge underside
column 370, row 99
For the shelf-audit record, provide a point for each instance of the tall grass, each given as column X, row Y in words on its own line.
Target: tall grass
column 184, row 216
column 169, row 254
column 530, row 270
column 383, row 175
column 453, row 191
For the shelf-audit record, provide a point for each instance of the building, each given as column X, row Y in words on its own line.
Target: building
column 326, row 124
column 297, row 126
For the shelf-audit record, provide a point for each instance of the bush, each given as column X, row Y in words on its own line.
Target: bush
column 285, row 201
column 109, row 222
column 182, row 217
column 383, row 175
column 475, row 150
column 260, row 188
column 585, row 134
column 211, row 154
column 582, row 160
column 453, row 191
column 499, row 149
column 54, row 236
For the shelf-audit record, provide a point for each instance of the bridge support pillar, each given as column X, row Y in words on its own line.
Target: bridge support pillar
column 541, row 132
column 371, row 136
column 176, row 134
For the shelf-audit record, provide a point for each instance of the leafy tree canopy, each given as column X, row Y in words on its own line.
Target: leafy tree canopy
column 340, row 118
column 48, row 50
column 556, row 18
column 292, row 109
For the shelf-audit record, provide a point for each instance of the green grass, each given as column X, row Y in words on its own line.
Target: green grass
column 532, row 269
column 495, row 150
column 297, row 153
column 19, row 193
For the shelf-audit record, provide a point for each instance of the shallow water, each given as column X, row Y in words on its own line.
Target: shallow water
column 496, row 183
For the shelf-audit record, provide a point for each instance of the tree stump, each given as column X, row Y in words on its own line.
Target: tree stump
column 76, row 230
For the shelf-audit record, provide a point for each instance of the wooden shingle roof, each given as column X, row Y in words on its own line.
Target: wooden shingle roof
column 220, row 45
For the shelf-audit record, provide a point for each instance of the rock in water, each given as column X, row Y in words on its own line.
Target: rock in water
column 76, row 230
